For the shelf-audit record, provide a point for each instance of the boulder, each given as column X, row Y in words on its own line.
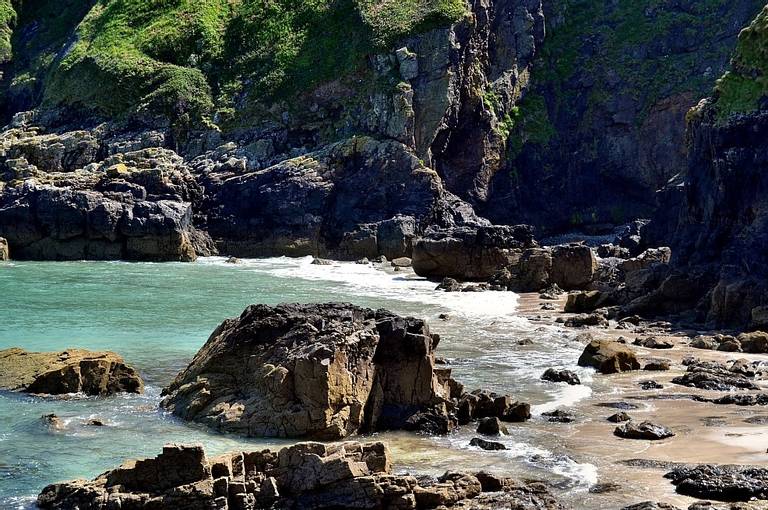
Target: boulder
column 71, row 371
column 491, row 426
column 584, row 301
column 704, row 342
column 647, row 259
column 484, row 404
column 449, row 285
column 657, row 365
column 722, row 483
column 755, row 342
column 653, row 342
column 585, row 320
column 619, row 417
column 566, row 376
column 468, row 253
column 401, row 262
column 708, row 375
column 306, row 475
column 643, row 430
column 608, row 357
column 323, row 371
column 573, row 266
column 4, row 252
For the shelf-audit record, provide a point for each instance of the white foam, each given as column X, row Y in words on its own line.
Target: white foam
column 368, row 280
column 566, row 396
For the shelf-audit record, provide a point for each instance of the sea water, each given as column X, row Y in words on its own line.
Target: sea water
column 158, row 315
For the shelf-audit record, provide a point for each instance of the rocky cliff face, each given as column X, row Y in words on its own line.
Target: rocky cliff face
column 716, row 216
column 602, row 126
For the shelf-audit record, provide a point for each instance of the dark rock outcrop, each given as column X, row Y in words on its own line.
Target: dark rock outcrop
column 72, row 371
column 319, row 371
column 304, row 476
column 566, row 376
column 470, row 253
column 710, row 375
column 722, row 483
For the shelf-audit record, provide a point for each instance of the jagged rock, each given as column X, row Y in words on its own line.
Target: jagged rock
column 612, row 251
column 72, row 371
column 449, row 285
column 4, row 252
column 52, row 422
column 233, row 260
column 469, row 253
column 573, row 266
column 723, row 483
column 344, row 200
column 584, row 301
column 566, row 376
column 306, row 475
column 619, row 417
column 491, row 426
column 646, row 259
column 608, row 357
column 653, row 342
column 643, row 430
column 486, row 445
column 752, row 399
column 321, row 262
column 484, row 404
column 714, row 376
column 321, row 371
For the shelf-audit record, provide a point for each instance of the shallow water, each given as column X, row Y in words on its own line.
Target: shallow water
column 158, row 315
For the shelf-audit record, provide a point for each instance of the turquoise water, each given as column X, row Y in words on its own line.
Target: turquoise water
column 158, row 315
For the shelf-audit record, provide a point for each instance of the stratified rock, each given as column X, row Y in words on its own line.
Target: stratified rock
column 486, row 445
column 72, row 371
column 303, row 476
column 566, row 376
column 608, row 357
column 470, row 253
column 643, row 430
column 320, row 371
column 723, row 483
column 709, row 375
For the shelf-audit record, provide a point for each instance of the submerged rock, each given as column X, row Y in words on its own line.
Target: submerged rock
column 643, row 430
column 322, row 371
column 72, row 371
column 608, row 357
column 723, row 483
column 303, row 476
column 486, row 445
column 566, row 376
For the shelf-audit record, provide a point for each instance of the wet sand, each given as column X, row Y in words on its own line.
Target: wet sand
column 705, row 433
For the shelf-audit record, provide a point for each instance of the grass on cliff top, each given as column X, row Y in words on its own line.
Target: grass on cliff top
column 745, row 86
column 182, row 57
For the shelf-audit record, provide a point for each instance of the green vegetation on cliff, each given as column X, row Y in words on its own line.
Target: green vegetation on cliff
column 743, row 88
column 190, row 58
column 7, row 21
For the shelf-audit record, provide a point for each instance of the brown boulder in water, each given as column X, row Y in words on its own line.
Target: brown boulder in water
column 323, row 371
column 72, row 371
column 608, row 357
